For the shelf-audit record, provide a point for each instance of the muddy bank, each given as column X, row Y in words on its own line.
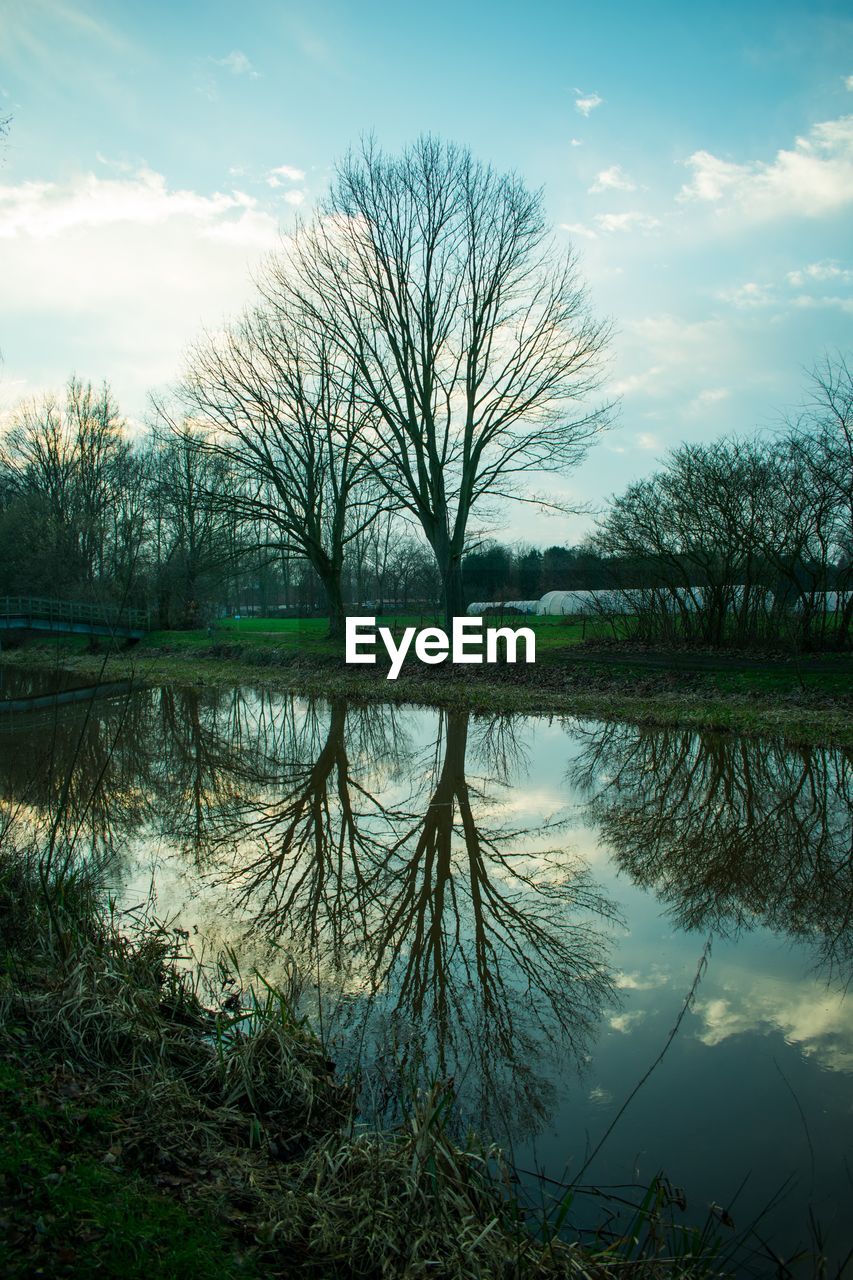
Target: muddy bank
column 800, row 702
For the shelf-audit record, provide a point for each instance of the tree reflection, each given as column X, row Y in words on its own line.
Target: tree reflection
column 81, row 767
column 443, row 919
column 492, row 944
column 730, row 832
column 215, row 750
column 307, row 854
column 453, row 933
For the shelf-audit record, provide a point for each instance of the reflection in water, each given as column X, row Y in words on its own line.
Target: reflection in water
column 401, row 857
column 85, row 767
column 453, row 936
column 456, row 938
column 730, row 832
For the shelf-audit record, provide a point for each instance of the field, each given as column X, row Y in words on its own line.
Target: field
column 309, row 635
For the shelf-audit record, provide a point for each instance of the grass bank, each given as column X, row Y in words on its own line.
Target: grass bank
column 580, row 670
column 150, row 1132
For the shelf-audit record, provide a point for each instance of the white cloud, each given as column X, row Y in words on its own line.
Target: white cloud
column 749, row 295
column 238, row 64
column 612, row 179
column 848, row 82
column 647, row 441
column 632, row 220
column 670, row 360
column 575, row 142
column 752, row 295
column 636, row 383
column 120, row 273
column 820, row 271
column 812, row 179
column 117, row 166
column 42, row 210
column 625, row 1022
column 286, row 172
column 811, row 302
column 652, row 981
column 578, row 229
column 294, row 197
column 711, row 176
column 819, row 1023
column 706, row 399
column 586, row 103
column 12, row 392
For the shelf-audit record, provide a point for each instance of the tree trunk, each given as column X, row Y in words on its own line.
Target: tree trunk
column 454, row 595
column 334, row 603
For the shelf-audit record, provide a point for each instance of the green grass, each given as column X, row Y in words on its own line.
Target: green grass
column 68, row 1212
column 767, row 683
column 310, row 635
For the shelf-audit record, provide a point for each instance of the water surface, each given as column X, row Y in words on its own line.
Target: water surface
column 516, row 905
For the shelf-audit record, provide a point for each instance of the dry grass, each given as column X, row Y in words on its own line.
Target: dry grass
column 232, row 1108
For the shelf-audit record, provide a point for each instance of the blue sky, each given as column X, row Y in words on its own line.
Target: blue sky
column 700, row 159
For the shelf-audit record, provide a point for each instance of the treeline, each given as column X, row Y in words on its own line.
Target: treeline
column 745, row 540
column 741, row 541
column 89, row 511
column 501, row 572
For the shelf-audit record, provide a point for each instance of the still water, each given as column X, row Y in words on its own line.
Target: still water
column 519, row 905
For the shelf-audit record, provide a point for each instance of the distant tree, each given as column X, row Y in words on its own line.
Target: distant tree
column 489, row 573
column 746, row 539
column 68, row 473
column 699, row 527
column 529, row 571
column 192, row 535
column 279, row 395
column 823, row 445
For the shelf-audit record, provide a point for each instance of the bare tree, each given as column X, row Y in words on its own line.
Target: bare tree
column 192, row 535
column 826, row 447
column 68, row 465
column 470, row 336
column 279, row 396
column 745, row 539
column 691, row 542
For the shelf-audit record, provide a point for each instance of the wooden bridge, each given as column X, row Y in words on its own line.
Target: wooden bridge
column 36, row 613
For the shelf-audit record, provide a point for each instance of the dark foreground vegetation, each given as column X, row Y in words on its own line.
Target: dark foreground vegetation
column 160, row 1124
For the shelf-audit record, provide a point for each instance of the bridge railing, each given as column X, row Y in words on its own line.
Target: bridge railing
column 72, row 611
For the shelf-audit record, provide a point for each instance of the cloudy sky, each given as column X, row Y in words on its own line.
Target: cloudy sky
column 700, row 158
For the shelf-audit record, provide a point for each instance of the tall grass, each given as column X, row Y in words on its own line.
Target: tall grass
column 216, row 1084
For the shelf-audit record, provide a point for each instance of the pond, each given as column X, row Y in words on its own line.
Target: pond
column 520, row 906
